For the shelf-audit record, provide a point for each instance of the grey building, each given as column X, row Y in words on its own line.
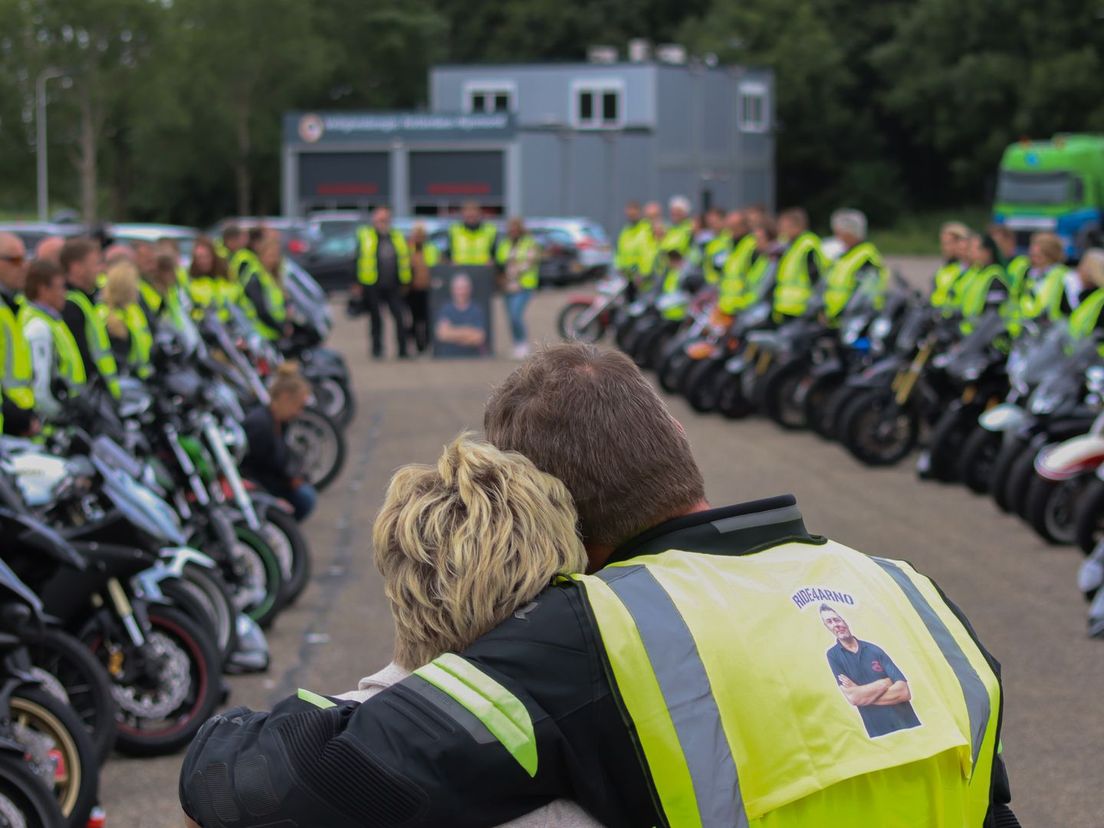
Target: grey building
column 546, row 139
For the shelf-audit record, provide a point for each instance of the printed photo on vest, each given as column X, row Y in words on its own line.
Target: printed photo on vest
column 460, row 311
column 868, row 679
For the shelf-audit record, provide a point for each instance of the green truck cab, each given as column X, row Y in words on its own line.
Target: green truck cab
column 1055, row 185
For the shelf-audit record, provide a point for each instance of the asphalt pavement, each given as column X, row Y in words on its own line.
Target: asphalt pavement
column 1019, row 593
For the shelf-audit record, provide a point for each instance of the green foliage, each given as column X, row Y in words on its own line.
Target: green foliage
column 173, row 111
column 917, row 234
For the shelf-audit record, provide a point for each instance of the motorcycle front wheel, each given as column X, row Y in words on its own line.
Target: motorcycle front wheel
column 24, row 801
column 85, row 682
column 1089, row 520
column 780, row 387
column 335, row 399
column 59, row 749
column 570, row 329
column 170, row 696
column 320, row 443
column 979, row 454
column 672, row 369
column 877, row 431
column 283, row 535
column 1051, row 507
column 701, row 385
column 946, row 442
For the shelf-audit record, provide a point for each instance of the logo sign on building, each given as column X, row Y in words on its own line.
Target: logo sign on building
column 353, row 127
column 311, row 128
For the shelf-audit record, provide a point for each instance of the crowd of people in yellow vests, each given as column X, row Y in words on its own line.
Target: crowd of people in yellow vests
column 81, row 313
column 735, row 250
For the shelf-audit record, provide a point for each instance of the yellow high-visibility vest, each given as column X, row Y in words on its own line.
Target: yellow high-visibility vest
column 728, row 672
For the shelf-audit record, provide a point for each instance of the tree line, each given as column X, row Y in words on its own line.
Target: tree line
column 170, row 109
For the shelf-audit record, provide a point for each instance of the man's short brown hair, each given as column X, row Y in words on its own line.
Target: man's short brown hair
column 589, row 417
column 75, row 250
column 39, row 276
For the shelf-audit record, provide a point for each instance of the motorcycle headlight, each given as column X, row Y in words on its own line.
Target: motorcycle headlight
column 1043, row 403
column 881, row 328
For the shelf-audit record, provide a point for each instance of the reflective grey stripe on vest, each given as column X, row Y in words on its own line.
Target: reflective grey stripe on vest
column 686, row 691
column 973, row 689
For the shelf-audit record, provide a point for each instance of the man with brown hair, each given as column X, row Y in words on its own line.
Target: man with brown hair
column 81, row 262
column 663, row 690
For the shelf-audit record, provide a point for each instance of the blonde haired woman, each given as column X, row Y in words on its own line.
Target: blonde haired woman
column 127, row 325
column 463, row 545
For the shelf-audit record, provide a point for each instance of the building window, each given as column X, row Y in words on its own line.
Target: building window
column 597, row 106
column 753, row 107
column 489, row 97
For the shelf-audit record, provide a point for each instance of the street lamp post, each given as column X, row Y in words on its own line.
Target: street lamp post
column 40, row 129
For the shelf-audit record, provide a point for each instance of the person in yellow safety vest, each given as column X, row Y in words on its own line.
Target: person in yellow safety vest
column 471, row 241
column 670, row 285
column 1085, row 317
column 680, row 234
column 54, row 352
column 17, row 379
column 951, row 238
column 632, row 240
column 208, row 284
column 1044, row 282
column 424, row 256
column 518, row 257
column 1016, row 264
column 81, row 263
column 859, row 269
column 263, row 287
column 988, row 286
column 242, row 249
column 128, row 326
column 648, row 258
column 383, row 278
column 740, row 272
column 716, row 248
column 715, row 666
column 800, row 267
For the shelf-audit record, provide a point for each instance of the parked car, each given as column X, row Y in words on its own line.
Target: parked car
column 595, row 252
column 561, row 261
column 183, row 236
column 295, row 233
column 32, row 232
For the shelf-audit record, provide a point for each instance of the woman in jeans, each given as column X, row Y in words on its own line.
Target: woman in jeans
column 518, row 257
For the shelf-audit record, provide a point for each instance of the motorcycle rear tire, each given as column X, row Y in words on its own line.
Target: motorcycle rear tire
column 862, row 415
column 48, row 715
column 264, row 612
column 23, row 791
column 204, row 672
column 979, row 454
column 729, row 390
column 86, row 683
column 1089, row 520
column 780, row 387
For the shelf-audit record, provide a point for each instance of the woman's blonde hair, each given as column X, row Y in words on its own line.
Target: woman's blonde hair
column 463, row 545
column 120, row 289
column 288, row 380
column 1092, row 264
column 1050, row 246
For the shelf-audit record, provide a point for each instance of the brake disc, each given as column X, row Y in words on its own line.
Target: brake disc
column 173, row 682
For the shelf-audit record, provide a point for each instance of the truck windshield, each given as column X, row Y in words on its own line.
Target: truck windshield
column 1038, row 188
